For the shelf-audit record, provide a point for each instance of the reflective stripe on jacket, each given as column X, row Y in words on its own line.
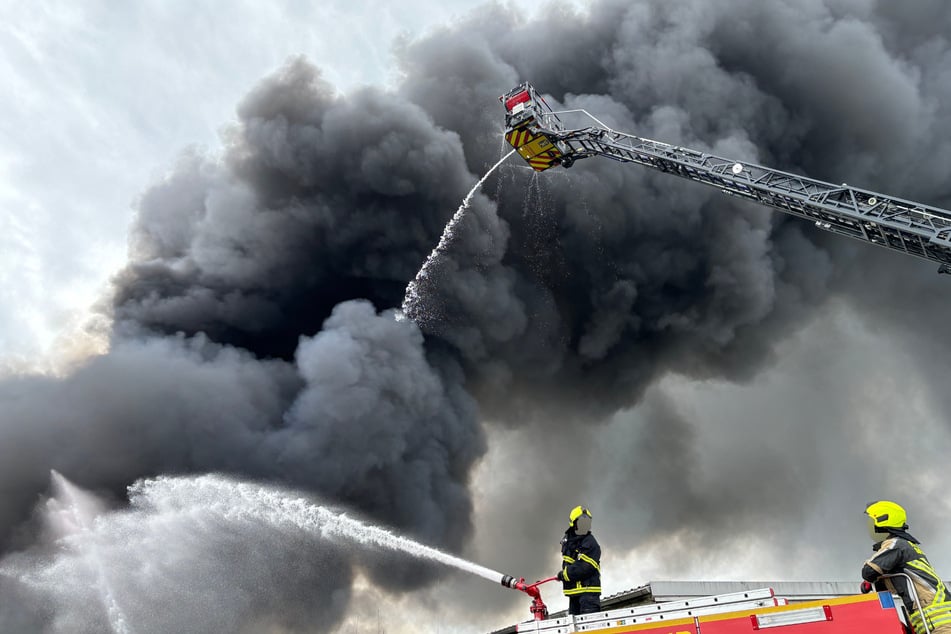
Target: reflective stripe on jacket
column 581, row 564
column 900, row 555
column 937, row 616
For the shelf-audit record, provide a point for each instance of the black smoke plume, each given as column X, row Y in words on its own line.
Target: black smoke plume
column 254, row 326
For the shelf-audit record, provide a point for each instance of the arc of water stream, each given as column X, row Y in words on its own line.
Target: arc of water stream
column 411, row 297
column 275, row 507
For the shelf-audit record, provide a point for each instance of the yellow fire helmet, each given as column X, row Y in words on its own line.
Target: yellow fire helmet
column 885, row 514
column 580, row 519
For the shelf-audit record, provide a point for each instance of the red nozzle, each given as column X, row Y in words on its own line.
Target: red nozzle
column 538, row 608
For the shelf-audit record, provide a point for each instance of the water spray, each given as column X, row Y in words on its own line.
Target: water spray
column 272, row 506
column 75, row 508
column 411, row 298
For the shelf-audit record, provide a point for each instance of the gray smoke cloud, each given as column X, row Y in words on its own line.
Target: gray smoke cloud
column 253, row 331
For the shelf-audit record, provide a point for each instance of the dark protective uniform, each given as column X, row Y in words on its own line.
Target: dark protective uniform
column 901, row 553
column 581, row 572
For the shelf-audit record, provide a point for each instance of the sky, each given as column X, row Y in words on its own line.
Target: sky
column 103, row 97
column 206, row 215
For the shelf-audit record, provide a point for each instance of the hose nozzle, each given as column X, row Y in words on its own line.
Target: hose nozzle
column 539, row 609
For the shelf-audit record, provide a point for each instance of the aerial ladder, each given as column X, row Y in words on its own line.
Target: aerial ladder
column 537, row 132
column 540, row 137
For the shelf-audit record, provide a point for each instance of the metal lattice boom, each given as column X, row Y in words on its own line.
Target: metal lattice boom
column 886, row 221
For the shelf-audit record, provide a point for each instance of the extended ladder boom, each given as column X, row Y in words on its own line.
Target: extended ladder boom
column 540, row 137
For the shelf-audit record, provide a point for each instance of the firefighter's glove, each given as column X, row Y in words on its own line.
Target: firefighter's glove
column 561, row 575
column 866, row 587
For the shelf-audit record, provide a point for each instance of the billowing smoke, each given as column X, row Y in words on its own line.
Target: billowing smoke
column 254, row 331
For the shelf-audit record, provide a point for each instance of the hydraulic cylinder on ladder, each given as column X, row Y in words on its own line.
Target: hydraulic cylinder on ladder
column 542, row 139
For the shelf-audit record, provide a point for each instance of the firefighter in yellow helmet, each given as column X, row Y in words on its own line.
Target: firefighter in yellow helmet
column 580, row 572
column 897, row 552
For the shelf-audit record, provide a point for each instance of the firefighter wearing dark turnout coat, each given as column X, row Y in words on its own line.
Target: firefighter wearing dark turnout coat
column 580, row 572
column 897, row 552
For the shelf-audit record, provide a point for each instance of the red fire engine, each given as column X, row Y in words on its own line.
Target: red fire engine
column 734, row 613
